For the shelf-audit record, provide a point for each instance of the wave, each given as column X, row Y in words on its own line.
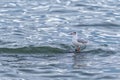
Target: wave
column 48, row 49
column 99, row 24
column 43, row 49
column 99, row 50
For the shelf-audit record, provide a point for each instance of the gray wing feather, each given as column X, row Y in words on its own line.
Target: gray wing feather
column 81, row 41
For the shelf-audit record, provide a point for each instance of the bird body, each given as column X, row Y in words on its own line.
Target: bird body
column 77, row 42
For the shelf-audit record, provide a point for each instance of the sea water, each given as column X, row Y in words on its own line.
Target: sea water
column 35, row 43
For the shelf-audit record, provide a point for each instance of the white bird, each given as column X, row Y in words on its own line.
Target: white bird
column 77, row 42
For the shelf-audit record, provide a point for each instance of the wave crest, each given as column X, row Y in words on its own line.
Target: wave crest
column 43, row 49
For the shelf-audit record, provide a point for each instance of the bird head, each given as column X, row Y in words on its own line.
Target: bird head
column 73, row 33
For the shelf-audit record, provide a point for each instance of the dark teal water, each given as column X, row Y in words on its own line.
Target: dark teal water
column 35, row 41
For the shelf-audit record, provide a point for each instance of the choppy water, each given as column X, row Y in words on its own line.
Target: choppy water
column 34, row 40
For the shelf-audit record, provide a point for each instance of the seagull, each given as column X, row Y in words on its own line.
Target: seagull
column 77, row 42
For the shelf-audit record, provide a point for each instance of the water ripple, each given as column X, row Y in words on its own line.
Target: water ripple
column 43, row 26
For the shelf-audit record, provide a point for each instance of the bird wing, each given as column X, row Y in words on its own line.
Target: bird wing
column 81, row 41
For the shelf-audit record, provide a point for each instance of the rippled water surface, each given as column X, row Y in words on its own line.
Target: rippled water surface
column 35, row 41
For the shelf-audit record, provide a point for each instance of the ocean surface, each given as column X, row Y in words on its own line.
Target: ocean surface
column 35, row 43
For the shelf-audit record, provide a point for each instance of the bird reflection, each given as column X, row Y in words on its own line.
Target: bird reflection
column 79, row 60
